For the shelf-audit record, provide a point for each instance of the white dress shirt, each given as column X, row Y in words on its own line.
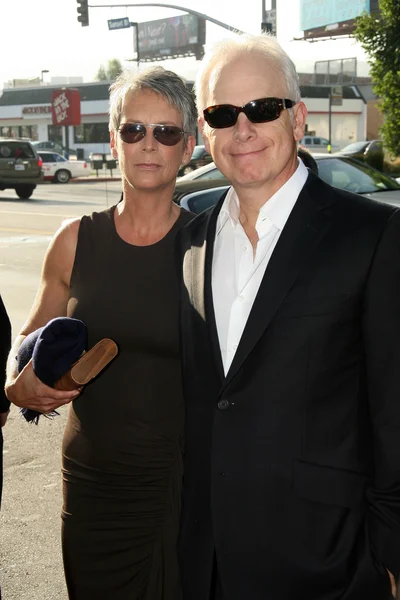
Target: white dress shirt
column 236, row 271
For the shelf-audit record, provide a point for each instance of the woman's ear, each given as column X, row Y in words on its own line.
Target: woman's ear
column 114, row 151
column 188, row 150
column 203, row 130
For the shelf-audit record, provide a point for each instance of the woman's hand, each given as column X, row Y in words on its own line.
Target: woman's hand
column 27, row 391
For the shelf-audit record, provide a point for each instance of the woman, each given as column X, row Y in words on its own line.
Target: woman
column 116, row 272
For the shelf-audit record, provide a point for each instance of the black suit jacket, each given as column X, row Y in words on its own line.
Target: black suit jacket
column 5, row 344
column 292, row 465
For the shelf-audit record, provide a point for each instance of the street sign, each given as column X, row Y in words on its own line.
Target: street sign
column 119, row 23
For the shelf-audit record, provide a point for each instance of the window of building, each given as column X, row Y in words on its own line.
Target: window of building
column 20, row 131
column 92, row 133
column 54, row 133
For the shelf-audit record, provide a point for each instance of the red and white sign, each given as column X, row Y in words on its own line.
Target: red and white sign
column 66, row 107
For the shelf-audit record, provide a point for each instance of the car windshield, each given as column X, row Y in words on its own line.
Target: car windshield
column 354, row 176
column 197, row 152
column 197, row 172
column 211, row 174
column 355, row 147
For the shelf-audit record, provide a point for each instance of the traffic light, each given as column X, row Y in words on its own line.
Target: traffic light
column 266, row 27
column 83, row 12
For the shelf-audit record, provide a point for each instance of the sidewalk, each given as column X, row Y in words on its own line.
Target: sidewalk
column 100, row 175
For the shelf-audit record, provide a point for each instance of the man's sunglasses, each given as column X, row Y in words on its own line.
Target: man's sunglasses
column 263, row 110
column 168, row 135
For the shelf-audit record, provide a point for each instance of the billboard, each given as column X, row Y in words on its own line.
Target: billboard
column 324, row 18
column 184, row 35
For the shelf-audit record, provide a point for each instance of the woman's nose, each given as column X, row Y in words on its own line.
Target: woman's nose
column 149, row 141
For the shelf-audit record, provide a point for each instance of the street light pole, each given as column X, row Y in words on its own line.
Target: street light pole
column 136, row 38
column 188, row 10
column 330, row 121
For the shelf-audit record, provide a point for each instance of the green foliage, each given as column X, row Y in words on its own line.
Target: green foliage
column 379, row 35
column 114, row 68
column 110, row 73
column 101, row 74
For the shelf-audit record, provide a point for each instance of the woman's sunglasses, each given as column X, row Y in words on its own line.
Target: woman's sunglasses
column 263, row 110
column 168, row 135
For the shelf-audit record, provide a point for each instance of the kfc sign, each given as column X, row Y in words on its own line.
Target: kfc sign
column 66, row 107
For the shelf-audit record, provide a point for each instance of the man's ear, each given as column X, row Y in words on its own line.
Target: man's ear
column 203, row 131
column 299, row 120
column 114, row 151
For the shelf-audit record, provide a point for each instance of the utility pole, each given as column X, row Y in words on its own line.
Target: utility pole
column 330, row 121
column 136, row 38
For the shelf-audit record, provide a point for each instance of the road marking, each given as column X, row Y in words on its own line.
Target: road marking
column 36, row 214
column 27, row 231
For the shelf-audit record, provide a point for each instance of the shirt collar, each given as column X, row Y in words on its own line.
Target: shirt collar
column 277, row 209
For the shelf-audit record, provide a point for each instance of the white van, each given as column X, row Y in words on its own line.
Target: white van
column 317, row 144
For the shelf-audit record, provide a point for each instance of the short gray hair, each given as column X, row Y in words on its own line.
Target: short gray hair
column 167, row 84
column 231, row 48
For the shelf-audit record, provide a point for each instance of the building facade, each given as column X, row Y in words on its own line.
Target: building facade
column 26, row 112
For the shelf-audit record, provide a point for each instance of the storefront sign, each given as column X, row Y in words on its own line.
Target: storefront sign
column 66, row 107
column 36, row 110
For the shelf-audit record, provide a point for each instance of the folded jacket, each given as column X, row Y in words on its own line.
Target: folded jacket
column 53, row 349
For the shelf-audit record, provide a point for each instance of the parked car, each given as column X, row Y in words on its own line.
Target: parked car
column 196, row 193
column 199, row 158
column 55, row 147
column 347, row 173
column 370, row 152
column 315, row 143
column 20, row 167
column 185, row 188
column 58, row 169
column 207, row 172
column 210, row 171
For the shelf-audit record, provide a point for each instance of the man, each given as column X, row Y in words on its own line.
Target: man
column 291, row 351
column 5, row 345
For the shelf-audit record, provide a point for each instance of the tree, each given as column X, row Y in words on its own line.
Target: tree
column 101, row 74
column 379, row 35
column 112, row 71
column 114, row 68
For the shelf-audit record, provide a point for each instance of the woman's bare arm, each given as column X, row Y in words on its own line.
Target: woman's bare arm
column 25, row 389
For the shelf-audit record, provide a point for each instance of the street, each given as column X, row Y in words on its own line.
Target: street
column 30, row 554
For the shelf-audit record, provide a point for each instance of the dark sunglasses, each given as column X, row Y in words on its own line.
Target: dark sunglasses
column 263, row 110
column 168, row 135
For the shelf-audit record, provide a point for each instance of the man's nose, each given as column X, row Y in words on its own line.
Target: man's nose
column 244, row 128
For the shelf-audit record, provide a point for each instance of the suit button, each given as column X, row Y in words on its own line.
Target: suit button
column 223, row 404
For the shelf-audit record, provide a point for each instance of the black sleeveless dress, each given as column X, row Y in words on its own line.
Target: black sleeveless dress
column 122, row 465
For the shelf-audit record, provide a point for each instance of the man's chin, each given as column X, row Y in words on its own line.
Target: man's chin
column 248, row 181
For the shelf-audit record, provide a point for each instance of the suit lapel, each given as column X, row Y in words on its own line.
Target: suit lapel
column 307, row 224
column 197, row 273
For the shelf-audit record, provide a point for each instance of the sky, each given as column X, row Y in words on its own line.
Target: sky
column 44, row 35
